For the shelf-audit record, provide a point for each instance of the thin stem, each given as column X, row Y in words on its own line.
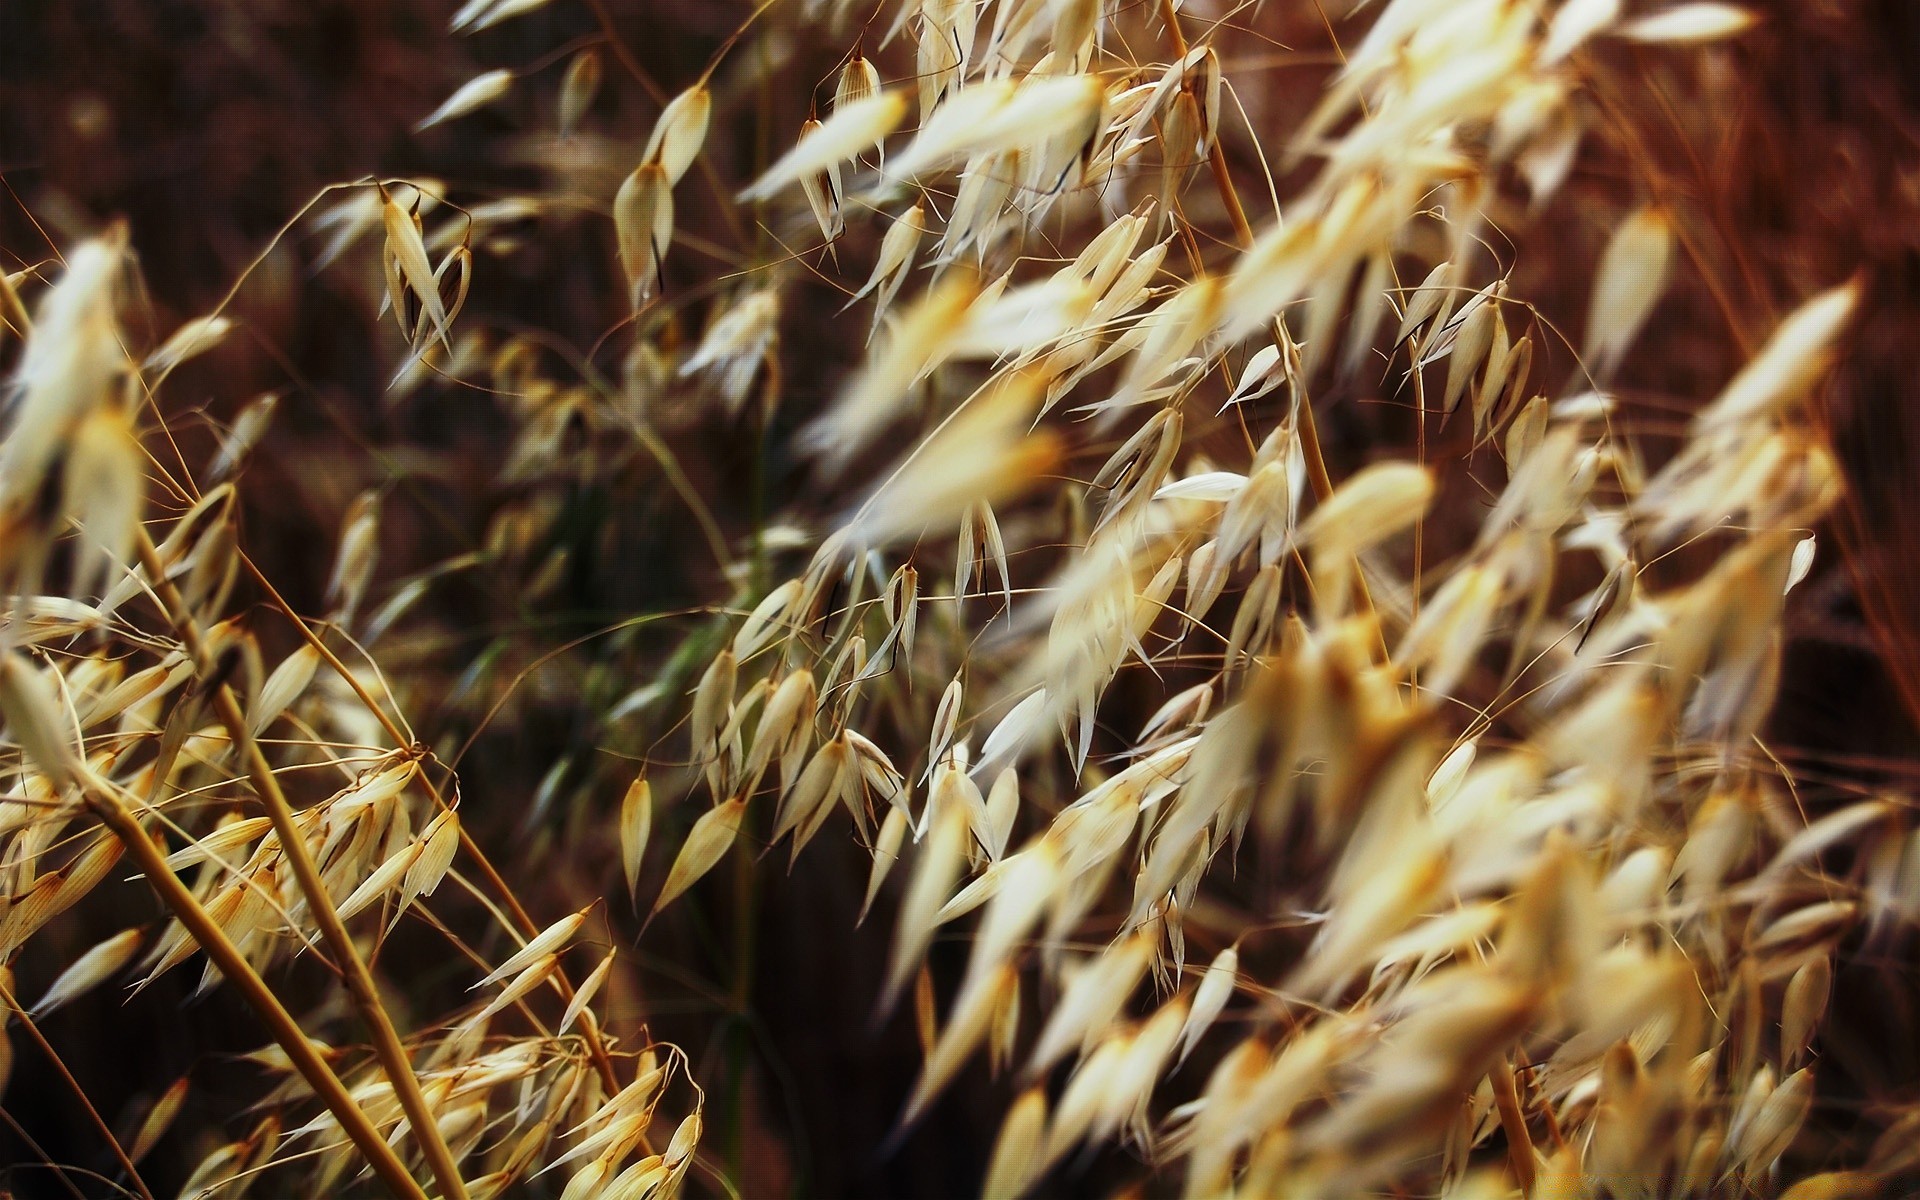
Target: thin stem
column 59, row 1064
column 239, row 972
column 1506, row 1098
column 59, row 1172
column 1309, row 430
column 602, row 1061
column 387, row 1045
column 723, row 199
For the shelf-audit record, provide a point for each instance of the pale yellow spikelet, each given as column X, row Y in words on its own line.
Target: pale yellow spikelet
column 643, row 225
column 636, row 821
column 1017, row 731
column 805, row 806
column 65, row 377
column 406, row 251
column 476, row 93
column 1028, row 882
column 88, row 971
column 1636, row 888
column 1002, row 809
column 680, row 132
column 388, row 876
column 1791, row 361
column 858, row 80
column 1216, row 987
column 158, row 1119
column 1086, row 1096
column 546, row 942
column 1265, row 371
column 1756, row 1143
column 1422, row 303
column 221, row 843
column 1374, row 504
column 849, row 131
column 714, row 694
column 1802, row 1006
column 359, row 553
column 886, row 851
column 946, row 720
column 967, row 1026
column 1631, row 277
column 1704, row 21
column 1092, row 999
column 585, row 993
column 1001, row 115
column 737, row 343
column 917, row 342
column 897, row 250
column 1842, row 825
column 1526, row 432
column 578, row 89
column 1361, row 921
column 536, row 972
column 35, row 721
column 938, row 863
column 1472, row 343
column 1017, row 1152
column 824, row 190
column 245, row 435
column 639, row 1181
column 589, row 1181
column 707, row 842
column 105, row 490
column 193, row 338
column 439, row 844
column 288, row 681
column 984, row 453
column 477, row 15
column 785, row 730
column 1573, row 23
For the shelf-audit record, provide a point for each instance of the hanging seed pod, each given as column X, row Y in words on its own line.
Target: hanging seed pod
column 849, row 131
column 359, row 553
column 824, row 191
column 643, row 223
column 680, row 132
column 1631, row 278
column 636, row 821
column 709, row 840
column 471, row 96
column 88, row 971
column 858, row 80
column 578, row 89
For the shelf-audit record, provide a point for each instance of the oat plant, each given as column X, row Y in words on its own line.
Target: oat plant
column 1308, row 814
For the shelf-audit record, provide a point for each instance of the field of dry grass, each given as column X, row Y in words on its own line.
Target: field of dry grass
column 639, row 598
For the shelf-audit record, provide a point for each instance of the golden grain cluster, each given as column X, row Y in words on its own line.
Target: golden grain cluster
column 1522, row 904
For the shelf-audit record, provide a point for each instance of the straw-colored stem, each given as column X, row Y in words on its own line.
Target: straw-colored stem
column 602, row 1061
column 387, row 1046
column 1506, row 1098
column 238, row 972
column 60, row 1066
column 1318, row 477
